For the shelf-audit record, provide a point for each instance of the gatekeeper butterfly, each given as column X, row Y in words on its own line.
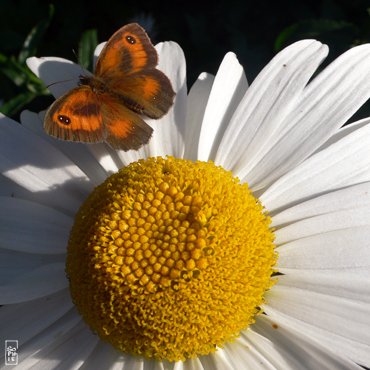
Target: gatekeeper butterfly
column 107, row 106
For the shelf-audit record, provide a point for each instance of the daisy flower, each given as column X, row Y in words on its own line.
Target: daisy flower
column 237, row 238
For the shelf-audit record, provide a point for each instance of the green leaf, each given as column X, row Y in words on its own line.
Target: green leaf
column 16, row 72
column 12, row 69
column 34, row 37
column 87, row 45
column 16, row 104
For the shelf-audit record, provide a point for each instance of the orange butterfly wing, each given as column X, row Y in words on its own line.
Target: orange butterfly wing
column 83, row 115
column 124, row 129
column 129, row 49
column 76, row 116
column 127, row 65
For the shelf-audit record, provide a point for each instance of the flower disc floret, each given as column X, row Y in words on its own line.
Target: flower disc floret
column 170, row 258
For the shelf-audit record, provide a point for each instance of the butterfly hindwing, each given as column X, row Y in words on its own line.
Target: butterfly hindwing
column 149, row 93
column 123, row 128
column 76, row 116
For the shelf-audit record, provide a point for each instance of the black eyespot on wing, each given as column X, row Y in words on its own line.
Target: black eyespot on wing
column 65, row 120
column 130, row 39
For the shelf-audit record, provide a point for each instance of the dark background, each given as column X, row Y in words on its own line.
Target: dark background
column 206, row 30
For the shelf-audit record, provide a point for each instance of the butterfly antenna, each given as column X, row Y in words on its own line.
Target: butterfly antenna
column 60, row 82
column 71, row 79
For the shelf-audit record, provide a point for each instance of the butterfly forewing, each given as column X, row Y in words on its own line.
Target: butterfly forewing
column 128, row 51
column 127, row 66
column 76, row 116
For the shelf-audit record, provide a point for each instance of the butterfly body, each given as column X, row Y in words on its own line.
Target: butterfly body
column 107, row 106
column 95, row 84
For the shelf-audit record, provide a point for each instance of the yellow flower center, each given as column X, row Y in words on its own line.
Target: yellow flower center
column 169, row 258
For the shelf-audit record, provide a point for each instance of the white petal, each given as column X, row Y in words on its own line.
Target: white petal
column 106, row 156
column 275, row 92
column 172, row 126
column 98, row 50
column 130, row 156
column 40, row 282
column 34, row 122
column 136, row 363
column 24, row 321
column 134, row 155
column 339, row 324
column 197, row 103
column 344, row 131
column 241, row 353
column 14, row 264
column 158, row 365
column 216, row 361
column 336, row 314
column 294, row 349
column 33, row 228
column 270, row 351
column 321, row 224
column 43, row 336
column 9, row 188
column 66, row 351
column 78, row 153
column 352, row 197
column 58, row 74
column 229, row 87
column 344, row 163
column 189, row 364
column 168, row 134
column 326, row 104
column 104, row 356
column 346, row 248
column 39, row 167
column 353, row 284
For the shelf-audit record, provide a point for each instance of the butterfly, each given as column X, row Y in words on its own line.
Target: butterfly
column 108, row 105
